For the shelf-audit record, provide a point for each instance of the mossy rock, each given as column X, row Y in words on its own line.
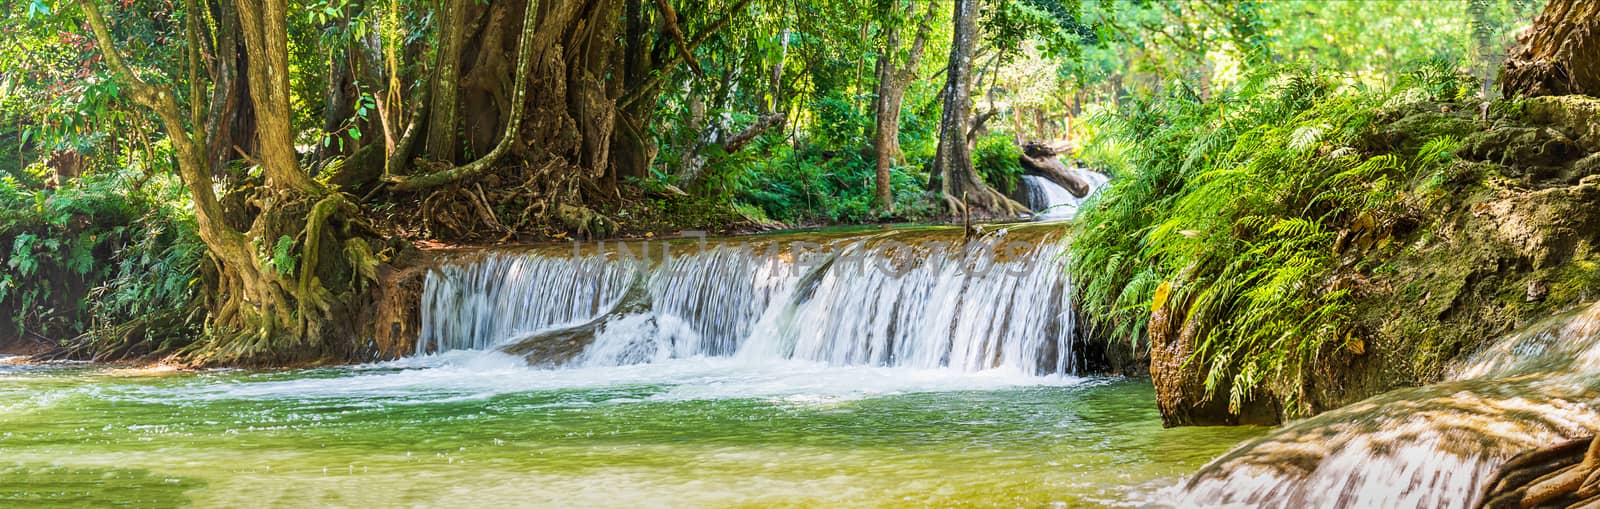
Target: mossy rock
column 1411, row 131
column 1520, row 148
column 1577, row 115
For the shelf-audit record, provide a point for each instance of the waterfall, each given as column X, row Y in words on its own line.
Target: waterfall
column 913, row 298
column 1426, row 446
column 1052, row 201
column 473, row 306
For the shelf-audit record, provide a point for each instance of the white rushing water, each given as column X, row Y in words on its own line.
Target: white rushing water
column 467, row 375
column 1424, row 447
column 1052, row 202
column 876, row 300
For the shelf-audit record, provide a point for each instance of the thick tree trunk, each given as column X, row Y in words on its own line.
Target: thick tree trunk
column 595, row 71
column 441, row 145
column 1558, row 55
column 487, row 87
column 510, row 134
column 953, row 178
column 263, row 24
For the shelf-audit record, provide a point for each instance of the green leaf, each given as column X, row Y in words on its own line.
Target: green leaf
column 283, row 257
column 355, row 133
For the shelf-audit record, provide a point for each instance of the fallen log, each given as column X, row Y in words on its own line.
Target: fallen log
column 1041, row 159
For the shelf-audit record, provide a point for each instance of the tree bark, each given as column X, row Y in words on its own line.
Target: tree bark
column 230, row 126
column 891, row 90
column 441, row 145
column 264, row 26
column 1558, row 55
column 337, row 106
column 954, row 179
column 512, row 126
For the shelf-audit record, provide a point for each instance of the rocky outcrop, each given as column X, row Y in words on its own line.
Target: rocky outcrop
column 1180, row 388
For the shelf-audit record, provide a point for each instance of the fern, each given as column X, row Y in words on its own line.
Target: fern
column 284, row 258
column 1235, row 210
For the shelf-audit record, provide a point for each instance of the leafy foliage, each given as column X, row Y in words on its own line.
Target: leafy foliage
column 96, row 255
column 1241, row 208
column 997, row 159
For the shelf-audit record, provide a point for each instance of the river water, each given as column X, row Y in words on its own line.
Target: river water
column 482, row 429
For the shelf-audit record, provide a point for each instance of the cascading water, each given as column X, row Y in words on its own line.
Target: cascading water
column 1052, row 201
column 919, row 298
column 1425, row 447
column 506, row 294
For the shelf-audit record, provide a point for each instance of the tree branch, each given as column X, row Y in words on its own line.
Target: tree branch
column 670, row 18
column 633, row 96
column 918, row 43
column 738, row 141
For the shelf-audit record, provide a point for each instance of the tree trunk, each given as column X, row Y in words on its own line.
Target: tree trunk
column 441, row 145
column 953, row 177
column 1558, row 55
column 230, row 121
column 487, row 86
column 264, row 26
column 891, row 91
column 886, row 134
column 337, row 105
column 267, row 303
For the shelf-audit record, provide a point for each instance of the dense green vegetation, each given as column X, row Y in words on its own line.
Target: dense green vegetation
column 1242, row 207
column 106, row 254
column 1286, row 213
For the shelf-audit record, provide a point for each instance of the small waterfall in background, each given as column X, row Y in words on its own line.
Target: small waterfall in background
column 1051, row 201
column 914, row 298
column 1424, row 447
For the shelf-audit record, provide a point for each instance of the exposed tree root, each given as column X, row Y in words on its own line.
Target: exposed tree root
column 1562, row 475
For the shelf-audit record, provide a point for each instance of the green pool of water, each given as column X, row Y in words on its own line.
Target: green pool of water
column 479, row 430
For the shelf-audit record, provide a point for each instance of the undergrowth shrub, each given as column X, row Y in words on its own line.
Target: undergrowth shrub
column 816, row 185
column 1235, row 215
column 997, row 159
column 98, row 265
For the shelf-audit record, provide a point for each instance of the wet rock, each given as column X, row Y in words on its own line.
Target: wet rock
column 1416, row 127
column 1520, row 147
